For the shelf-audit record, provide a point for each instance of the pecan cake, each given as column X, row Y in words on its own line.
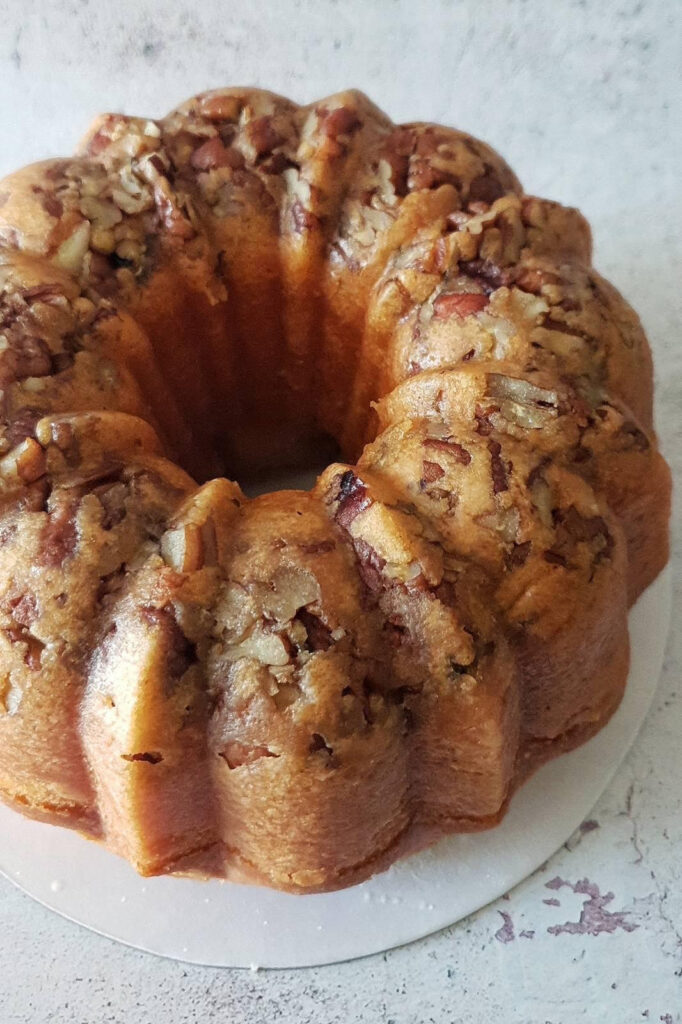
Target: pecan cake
column 300, row 688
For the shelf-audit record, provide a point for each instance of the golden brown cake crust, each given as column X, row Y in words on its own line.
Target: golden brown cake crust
column 298, row 689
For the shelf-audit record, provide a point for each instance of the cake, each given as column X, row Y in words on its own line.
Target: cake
column 299, row 688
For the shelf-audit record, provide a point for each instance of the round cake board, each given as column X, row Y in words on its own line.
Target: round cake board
column 223, row 924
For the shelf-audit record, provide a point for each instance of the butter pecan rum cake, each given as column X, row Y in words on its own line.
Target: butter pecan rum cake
column 300, row 688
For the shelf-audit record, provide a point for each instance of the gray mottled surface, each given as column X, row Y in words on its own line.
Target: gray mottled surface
column 584, row 100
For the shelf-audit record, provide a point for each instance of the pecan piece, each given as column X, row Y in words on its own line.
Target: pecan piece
column 518, row 555
column 24, row 609
column 341, row 121
column 370, row 565
column 263, row 136
column 450, row 447
column 23, row 425
column 212, row 154
column 319, row 635
column 303, row 219
column 486, row 188
column 431, row 472
column 59, row 536
column 27, row 356
column 530, row 279
column 486, row 273
column 459, row 304
column 498, row 468
column 352, row 498
column 484, row 426
column 220, row 108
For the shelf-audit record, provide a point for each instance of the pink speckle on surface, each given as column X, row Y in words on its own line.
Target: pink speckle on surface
column 594, row 917
column 506, row 932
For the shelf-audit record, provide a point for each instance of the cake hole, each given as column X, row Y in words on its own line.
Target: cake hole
column 301, row 463
column 148, row 756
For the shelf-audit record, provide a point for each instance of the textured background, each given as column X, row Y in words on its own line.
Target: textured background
column 584, row 99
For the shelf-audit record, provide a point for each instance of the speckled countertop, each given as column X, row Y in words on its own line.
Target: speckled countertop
column 584, row 99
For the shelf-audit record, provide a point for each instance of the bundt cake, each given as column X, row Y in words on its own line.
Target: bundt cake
column 300, row 688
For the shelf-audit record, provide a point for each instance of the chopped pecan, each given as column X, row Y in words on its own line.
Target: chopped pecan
column 573, row 528
column 23, row 425
column 423, row 175
column 319, row 635
column 431, row 472
column 212, row 154
column 459, row 304
column 487, row 274
column 263, row 136
column 59, row 536
column 23, row 609
column 190, row 547
column 340, row 121
column 530, row 279
column 498, row 468
column 277, row 163
column 112, row 498
column 29, row 460
column 286, row 695
column 579, row 527
column 450, row 447
column 27, row 356
column 486, row 188
column 518, row 555
column 396, row 152
column 484, row 426
column 34, row 647
column 352, row 497
column 370, row 565
column 72, row 250
column 220, row 107
column 52, row 205
column 175, row 223
column 303, row 219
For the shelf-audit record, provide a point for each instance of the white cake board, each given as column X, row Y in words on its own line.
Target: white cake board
column 222, row 924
